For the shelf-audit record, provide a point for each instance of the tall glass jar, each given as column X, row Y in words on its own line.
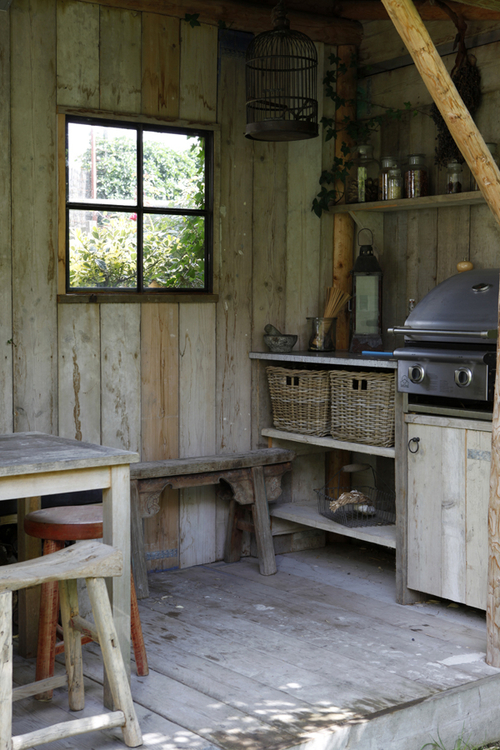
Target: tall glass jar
column 493, row 150
column 416, row 177
column 394, row 184
column 362, row 185
column 387, row 163
column 454, row 177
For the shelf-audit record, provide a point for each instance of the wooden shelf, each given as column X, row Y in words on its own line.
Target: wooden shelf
column 308, row 515
column 328, row 443
column 472, row 198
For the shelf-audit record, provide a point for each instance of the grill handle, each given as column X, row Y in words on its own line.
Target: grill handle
column 434, row 332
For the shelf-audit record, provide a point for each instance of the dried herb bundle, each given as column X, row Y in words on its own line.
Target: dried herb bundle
column 467, row 80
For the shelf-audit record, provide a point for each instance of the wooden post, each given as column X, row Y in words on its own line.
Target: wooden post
column 470, row 142
column 343, row 231
column 343, row 228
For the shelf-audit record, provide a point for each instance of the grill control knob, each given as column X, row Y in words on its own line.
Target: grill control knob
column 416, row 373
column 463, row 377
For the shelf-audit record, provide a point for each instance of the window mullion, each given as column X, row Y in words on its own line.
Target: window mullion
column 140, row 210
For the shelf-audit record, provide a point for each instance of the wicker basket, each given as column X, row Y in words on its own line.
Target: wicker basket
column 363, row 408
column 300, row 400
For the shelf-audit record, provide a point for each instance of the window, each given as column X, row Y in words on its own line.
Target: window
column 138, row 207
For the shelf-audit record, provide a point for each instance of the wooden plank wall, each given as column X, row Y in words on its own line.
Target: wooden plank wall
column 168, row 379
column 6, row 340
column 419, row 249
column 172, row 379
column 34, row 224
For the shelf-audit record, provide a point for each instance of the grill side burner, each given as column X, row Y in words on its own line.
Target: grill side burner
column 450, row 346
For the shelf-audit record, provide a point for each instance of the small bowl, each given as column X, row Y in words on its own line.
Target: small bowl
column 281, row 344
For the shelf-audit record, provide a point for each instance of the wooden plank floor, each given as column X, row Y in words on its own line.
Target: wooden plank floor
column 316, row 656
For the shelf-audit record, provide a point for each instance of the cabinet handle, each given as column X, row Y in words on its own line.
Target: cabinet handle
column 414, row 449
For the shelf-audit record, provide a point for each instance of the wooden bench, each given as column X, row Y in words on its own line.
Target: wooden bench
column 250, row 479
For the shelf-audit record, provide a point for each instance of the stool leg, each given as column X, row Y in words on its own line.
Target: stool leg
column 49, row 611
column 113, row 660
column 141, row 659
column 6, row 670
column 68, row 592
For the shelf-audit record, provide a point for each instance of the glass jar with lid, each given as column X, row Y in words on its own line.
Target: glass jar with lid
column 387, row 163
column 362, row 184
column 454, row 177
column 416, row 177
column 394, row 184
column 493, row 150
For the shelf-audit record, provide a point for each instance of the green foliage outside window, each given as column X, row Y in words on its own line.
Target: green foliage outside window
column 108, row 256
column 103, row 243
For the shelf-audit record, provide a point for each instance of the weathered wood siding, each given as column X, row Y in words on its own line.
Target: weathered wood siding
column 174, row 379
column 419, row 249
column 6, row 340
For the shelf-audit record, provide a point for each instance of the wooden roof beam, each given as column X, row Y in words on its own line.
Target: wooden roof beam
column 470, row 142
column 241, row 15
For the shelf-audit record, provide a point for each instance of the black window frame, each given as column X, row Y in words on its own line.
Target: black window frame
column 140, row 209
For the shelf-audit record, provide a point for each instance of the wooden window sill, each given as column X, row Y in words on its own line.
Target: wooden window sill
column 127, row 298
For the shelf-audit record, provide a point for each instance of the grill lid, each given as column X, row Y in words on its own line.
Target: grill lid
column 463, row 308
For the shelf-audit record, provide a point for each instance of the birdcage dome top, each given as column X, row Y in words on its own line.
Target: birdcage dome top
column 281, row 83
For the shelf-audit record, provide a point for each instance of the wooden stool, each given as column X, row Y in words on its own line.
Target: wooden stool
column 56, row 526
column 94, row 562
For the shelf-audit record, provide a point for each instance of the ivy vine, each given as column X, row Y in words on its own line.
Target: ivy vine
column 355, row 132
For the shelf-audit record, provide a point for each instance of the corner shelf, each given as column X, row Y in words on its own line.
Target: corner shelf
column 328, row 443
column 472, row 198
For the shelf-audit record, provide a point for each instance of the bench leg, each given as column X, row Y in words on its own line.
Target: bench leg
column 138, row 552
column 232, row 552
column 262, row 523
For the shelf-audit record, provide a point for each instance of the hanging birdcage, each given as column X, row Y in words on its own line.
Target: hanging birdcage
column 281, row 83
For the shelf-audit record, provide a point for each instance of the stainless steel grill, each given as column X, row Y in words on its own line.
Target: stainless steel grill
column 450, row 340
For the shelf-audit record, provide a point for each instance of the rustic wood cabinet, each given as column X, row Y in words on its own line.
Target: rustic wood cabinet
column 448, row 492
column 442, row 494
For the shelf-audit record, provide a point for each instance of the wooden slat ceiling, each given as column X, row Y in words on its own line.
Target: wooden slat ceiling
column 370, row 10
column 330, row 21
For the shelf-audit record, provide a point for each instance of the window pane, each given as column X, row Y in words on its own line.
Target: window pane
column 102, row 164
column 174, row 251
column 174, row 170
column 102, row 249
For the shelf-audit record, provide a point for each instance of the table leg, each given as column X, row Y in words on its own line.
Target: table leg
column 28, row 607
column 138, row 552
column 116, row 532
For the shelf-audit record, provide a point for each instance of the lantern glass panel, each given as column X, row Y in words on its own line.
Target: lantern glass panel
column 367, row 304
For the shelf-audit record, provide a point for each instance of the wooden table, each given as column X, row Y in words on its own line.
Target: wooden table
column 33, row 464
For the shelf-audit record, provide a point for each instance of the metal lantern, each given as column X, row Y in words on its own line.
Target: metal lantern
column 367, row 302
column 281, row 87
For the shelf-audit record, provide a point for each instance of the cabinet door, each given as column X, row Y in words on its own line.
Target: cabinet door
column 436, row 511
column 478, row 466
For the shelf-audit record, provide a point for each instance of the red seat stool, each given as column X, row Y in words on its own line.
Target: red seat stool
column 56, row 526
